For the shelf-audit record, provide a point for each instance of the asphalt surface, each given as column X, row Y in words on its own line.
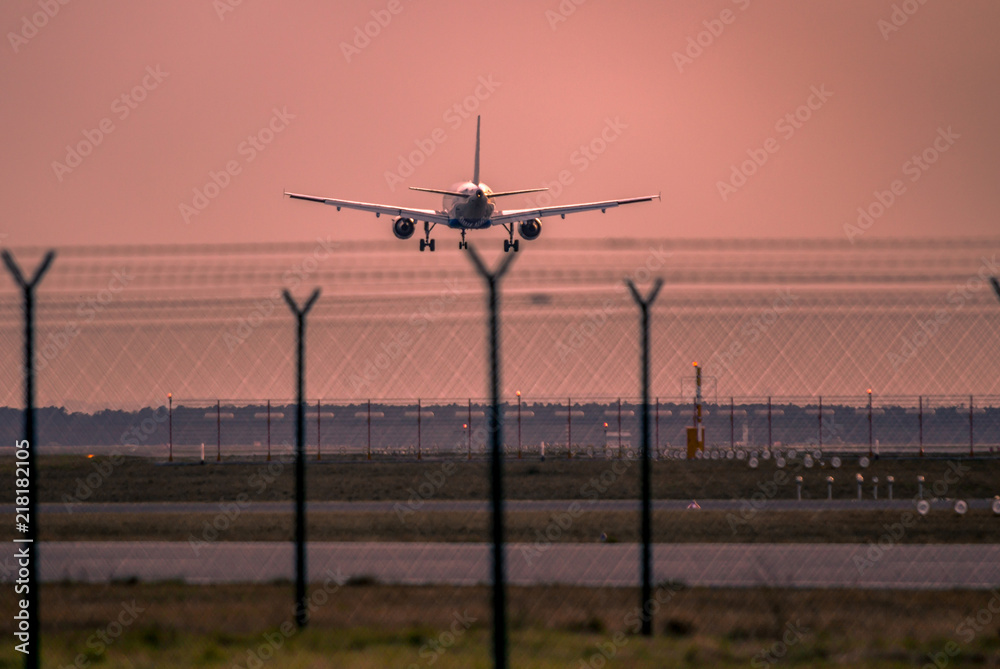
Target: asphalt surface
column 899, row 566
column 389, row 506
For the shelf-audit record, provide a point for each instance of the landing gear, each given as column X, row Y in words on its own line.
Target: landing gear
column 427, row 242
column 511, row 243
column 463, row 244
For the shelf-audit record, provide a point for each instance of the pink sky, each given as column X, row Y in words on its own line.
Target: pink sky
column 555, row 85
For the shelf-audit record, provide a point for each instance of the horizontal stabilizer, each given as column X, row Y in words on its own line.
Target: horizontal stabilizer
column 517, row 192
column 439, row 191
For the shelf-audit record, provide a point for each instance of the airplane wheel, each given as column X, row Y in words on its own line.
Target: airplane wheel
column 422, row 244
column 506, row 246
column 431, row 245
column 517, row 245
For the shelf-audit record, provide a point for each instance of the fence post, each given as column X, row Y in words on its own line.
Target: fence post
column 369, row 429
column 770, row 442
column 301, row 611
column 319, row 442
column 420, row 412
column 971, row 433
column 569, row 428
column 920, row 423
column 170, row 427
column 732, row 424
column 619, row 428
column 647, row 522
column 518, row 424
column 496, row 458
column 269, row 430
column 218, row 431
column 32, row 659
column 820, row 423
column 656, row 441
column 468, row 430
column 869, row 422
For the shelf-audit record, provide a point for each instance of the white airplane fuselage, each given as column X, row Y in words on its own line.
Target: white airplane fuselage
column 472, row 212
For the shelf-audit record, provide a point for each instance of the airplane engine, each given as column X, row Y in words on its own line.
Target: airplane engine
column 530, row 229
column 403, row 228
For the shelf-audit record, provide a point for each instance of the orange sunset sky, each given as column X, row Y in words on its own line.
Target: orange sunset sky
column 117, row 114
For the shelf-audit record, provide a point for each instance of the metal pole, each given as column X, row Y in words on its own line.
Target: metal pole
column 971, row 433
column 920, row 423
column 619, row 428
column 732, row 424
column 319, row 444
column 218, row 431
column 170, row 427
column 820, row 422
column 369, row 429
column 468, row 429
column 419, row 412
column 269, row 430
column 496, row 460
column 869, row 423
column 647, row 518
column 518, row 424
column 29, row 550
column 657, row 440
column 569, row 427
column 770, row 443
column 301, row 611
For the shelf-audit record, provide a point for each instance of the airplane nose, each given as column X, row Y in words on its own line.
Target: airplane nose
column 479, row 193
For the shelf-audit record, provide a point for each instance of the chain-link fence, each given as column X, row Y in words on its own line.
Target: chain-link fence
column 823, row 357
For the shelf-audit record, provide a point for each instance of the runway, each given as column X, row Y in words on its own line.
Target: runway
column 391, row 506
column 898, row 566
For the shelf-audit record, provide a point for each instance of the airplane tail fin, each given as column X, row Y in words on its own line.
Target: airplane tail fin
column 475, row 174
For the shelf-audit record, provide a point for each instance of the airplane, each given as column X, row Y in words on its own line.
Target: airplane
column 470, row 205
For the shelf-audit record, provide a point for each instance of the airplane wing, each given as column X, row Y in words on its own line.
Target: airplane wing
column 517, row 215
column 429, row 215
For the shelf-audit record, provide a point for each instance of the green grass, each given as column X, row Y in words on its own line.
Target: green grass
column 558, row 626
column 62, row 478
column 977, row 526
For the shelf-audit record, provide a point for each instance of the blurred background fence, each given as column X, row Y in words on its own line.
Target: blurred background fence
column 121, row 327
column 582, row 428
